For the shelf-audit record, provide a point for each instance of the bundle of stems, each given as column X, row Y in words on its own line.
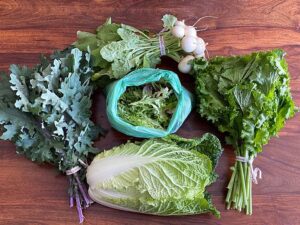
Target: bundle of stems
column 239, row 195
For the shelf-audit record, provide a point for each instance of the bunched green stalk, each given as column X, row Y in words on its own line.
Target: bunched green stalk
column 239, row 188
column 118, row 49
column 247, row 97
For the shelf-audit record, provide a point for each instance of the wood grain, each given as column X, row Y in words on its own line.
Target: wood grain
column 36, row 194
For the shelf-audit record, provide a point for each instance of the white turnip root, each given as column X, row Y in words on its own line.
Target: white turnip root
column 180, row 23
column 178, row 31
column 184, row 66
column 201, row 47
column 188, row 44
column 190, row 31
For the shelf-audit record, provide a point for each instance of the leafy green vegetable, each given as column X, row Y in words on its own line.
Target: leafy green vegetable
column 169, row 21
column 148, row 106
column 46, row 112
column 118, row 48
column 248, row 98
column 158, row 176
column 208, row 144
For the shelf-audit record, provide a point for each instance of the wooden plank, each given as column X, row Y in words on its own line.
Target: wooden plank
column 57, row 14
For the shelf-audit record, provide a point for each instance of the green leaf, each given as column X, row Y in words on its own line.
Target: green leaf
column 17, row 79
column 51, row 99
column 122, row 48
column 242, row 95
column 85, row 40
column 248, row 97
column 127, row 35
column 169, row 21
column 149, row 106
column 10, row 132
column 150, row 61
column 98, row 61
column 6, row 93
column 208, row 144
column 108, row 32
column 255, row 102
column 46, row 110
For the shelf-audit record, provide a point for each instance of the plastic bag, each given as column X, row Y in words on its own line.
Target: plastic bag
column 140, row 77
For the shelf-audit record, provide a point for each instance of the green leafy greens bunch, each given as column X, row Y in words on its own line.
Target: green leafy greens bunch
column 151, row 105
column 118, row 49
column 247, row 97
column 163, row 176
column 46, row 112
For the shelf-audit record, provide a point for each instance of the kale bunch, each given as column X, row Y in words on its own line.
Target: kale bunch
column 46, row 112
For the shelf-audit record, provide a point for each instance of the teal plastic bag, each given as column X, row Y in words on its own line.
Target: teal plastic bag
column 140, row 77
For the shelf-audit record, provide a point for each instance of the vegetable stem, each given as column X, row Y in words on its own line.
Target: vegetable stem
column 243, row 180
column 230, row 186
column 87, row 200
column 239, row 195
column 78, row 206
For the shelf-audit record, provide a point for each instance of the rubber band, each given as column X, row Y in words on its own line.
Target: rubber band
column 73, row 170
column 255, row 172
column 83, row 163
column 162, row 46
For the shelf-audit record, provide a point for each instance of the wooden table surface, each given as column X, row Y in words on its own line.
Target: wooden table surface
column 37, row 194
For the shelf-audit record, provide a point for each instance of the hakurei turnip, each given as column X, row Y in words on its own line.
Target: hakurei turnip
column 180, row 23
column 190, row 31
column 184, row 66
column 188, row 44
column 178, row 31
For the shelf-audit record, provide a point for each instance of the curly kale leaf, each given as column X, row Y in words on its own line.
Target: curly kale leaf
column 46, row 112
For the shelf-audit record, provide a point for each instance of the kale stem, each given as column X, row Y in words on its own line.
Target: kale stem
column 78, row 205
column 71, row 202
column 86, row 191
column 82, row 191
column 42, row 130
column 71, row 192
